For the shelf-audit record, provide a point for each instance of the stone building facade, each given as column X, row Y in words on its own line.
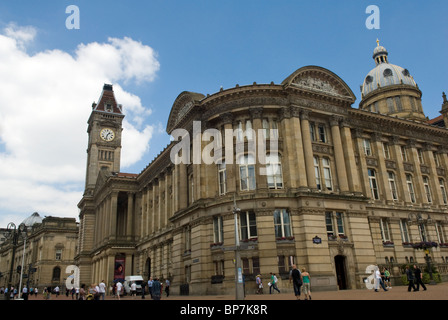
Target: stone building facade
column 49, row 249
column 352, row 187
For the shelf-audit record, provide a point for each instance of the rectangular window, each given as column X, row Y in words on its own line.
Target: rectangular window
column 420, row 156
column 313, row 131
column 317, row 173
column 390, row 105
column 367, row 147
column 404, row 231
column 222, row 178
column 58, row 255
column 427, row 189
column 327, row 173
column 282, row 223
column 386, row 150
column 422, row 231
column 385, row 233
column 404, row 154
column 248, row 225
column 393, row 186
column 436, row 159
column 440, row 233
column 329, row 223
column 410, row 188
column 218, row 230
column 443, row 191
column 373, row 184
column 247, row 173
column 274, row 171
column 321, row 132
column 340, row 223
column 398, row 104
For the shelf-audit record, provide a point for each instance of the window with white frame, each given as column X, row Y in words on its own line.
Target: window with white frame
column 443, row 191
column 427, row 188
column 317, row 173
column 404, row 231
column 440, row 232
column 422, row 231
column 222, row 177
column 393, row 186
column 218, row 230
column 327, row 173
column 386, row 150
column 274, row 171
column 322, row 136
column 385, row 232
column 373, row 184
column 421, row 160
column 270, row 128
column 282, row 223
column 410, row 185
column 436, row 159
column 404, row 153
column 367, row 147
column 247, row 172
column 58, row 255
column 249, row 131
column 334, row 222
column 248, row 225
column 313, row 131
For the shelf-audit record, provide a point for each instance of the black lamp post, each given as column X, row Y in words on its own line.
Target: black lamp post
column 425, row 244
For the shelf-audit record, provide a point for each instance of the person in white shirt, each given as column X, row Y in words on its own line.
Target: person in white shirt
column 102, row 289
column 378, row 280
column 133, row 289
column 119, row 287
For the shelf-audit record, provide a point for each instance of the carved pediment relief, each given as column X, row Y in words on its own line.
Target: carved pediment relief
column 184, row 103
column 320, row 81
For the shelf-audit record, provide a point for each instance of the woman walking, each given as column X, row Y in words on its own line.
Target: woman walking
column 306, row 286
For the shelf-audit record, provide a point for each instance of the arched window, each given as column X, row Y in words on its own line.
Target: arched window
column 56, row 274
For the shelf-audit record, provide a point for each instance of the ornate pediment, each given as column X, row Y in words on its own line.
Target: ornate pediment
column 183, row 104
column 320, row 81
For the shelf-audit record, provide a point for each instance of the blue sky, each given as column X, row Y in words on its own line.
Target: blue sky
column 196, row 46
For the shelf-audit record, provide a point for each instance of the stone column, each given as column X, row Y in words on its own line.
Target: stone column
column 308, row 149
column 130, row 216
column 402, row 185
column 383, row 174
column 418, row 178
column 231, row 174
column 339, row 154
column 350, row 161
column 297, row 147
column 364, row 176
column 428, row 156
column 113, row 215
column 261, row 147
column 289, row 165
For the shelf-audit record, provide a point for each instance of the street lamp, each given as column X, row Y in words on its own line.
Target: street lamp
column 426, row 244
column 23, row 230
column 239, row 285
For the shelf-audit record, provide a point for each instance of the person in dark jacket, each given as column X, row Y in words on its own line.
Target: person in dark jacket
column 418, row 278
column 410, row 276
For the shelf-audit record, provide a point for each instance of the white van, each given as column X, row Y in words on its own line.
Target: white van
column 128, row 281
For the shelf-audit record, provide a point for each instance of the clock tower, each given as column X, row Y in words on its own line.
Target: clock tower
column 104, row 146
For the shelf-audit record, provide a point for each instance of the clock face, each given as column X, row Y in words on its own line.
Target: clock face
column 107, row 134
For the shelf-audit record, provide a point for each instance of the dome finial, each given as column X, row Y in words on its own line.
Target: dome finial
column 377, row 42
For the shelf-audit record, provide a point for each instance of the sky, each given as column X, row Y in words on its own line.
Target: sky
column 55, row 60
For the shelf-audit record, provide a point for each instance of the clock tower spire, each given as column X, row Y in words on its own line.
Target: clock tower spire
column 104, row 130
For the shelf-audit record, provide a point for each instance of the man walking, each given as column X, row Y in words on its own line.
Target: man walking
column 411, row 278
column 296, row 278
column 379, row 280
column 418, row 278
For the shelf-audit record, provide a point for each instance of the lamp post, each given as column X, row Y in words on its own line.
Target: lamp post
column 426, row 244
column 239, row 285
column 23, row 231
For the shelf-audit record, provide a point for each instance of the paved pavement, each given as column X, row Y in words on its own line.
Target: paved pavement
column 434, row 292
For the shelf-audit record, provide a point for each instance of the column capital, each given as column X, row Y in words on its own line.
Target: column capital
column 256, row 112
column 335, row 120
column 304, row 114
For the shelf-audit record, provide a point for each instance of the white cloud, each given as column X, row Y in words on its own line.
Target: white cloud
column 45, row 101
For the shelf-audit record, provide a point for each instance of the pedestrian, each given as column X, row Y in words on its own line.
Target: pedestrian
column 387, row 278
column 156, row 289
column 102, row 289
column 167, row 287
column 25, row 293
column 273, row 283
column 410, row 277
column 77, row 293
column 35, row 292
column 259, row 283
column 82, row 292
column 150, row 283
column 306, row 286
column 418, row 278
column 73, row 291
column 118, row 289
column 133, row 290
column 56, row 291
column 296, row 279
column 143, row 289
column 379, row 282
